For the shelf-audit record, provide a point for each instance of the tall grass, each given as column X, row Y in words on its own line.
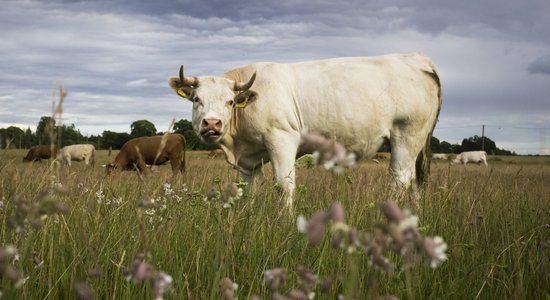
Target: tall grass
column 495, row 220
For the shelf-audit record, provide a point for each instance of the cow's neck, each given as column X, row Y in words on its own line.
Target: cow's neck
column 228, row 146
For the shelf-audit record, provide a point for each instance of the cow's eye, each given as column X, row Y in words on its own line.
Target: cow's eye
column 196, row 99
column 229, row 103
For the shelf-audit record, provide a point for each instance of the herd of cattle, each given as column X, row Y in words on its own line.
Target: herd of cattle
column 258, row 113
column 138, row 153
column 135, row 154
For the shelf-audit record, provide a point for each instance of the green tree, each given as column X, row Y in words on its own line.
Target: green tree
column 182, row 126
column 29, row 139
column 44, row 129
column 435, row 146
column 142, row 128
column 11, row 137
column 445, row 147
column 70, row 135
column 114, row 139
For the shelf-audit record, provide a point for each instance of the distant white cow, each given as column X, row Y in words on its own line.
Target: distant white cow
column 257, row 113
column 439, row 156
column 79, row 152
column 471, row 156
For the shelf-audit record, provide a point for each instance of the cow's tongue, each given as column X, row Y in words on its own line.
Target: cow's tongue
column 209, row 133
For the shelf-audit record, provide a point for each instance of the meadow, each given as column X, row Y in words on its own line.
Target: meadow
column 495, row 220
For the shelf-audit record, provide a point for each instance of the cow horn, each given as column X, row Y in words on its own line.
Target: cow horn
column 187, row 81
column 245, row 86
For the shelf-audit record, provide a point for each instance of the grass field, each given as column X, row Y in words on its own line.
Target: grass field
column 495, row 220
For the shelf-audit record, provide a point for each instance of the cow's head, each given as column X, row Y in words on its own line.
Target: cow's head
column 213, row 99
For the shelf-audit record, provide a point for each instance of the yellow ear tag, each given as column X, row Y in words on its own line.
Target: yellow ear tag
column 182, row 93
column 242, row 104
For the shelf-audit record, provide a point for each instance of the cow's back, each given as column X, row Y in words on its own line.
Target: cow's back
column 354, row 100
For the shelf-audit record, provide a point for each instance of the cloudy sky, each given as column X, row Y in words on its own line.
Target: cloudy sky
column 114, row 56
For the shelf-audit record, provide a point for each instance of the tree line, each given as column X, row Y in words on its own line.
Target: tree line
column 47, row 131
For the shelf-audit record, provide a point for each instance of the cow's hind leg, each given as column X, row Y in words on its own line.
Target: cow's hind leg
column 404, row 151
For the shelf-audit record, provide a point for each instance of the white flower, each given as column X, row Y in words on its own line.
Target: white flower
column 21, row 282
column 167, row 189
column 301, row 223
column 117, row 200
column 99, row 196
column 440, row 249
column 435, row 248
column 410, row 222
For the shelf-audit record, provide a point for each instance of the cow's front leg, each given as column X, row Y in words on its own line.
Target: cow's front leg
column 251, row 177
column 282, row 151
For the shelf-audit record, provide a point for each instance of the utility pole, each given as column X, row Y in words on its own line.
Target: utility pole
column 483, row 137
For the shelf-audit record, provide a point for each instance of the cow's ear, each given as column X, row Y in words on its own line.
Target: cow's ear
column 244, row 98
column 182, row 91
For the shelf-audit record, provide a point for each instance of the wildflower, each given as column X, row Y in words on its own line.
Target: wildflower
column 435, row 248
column 93, row 273
column 392, row 212
column 274, row 278
column 329, row 154
column 60, row 188
column 298, row 295
column 232, row 193
column 84, row 291
column 117, row 200
column 316, row 227
column 327, row 283
column 99, row 196
column 161, row 284
column 150, row 211
column 337, row 213
column 301, row 223
column 167, row 189
column 38, row 263
column 229, row 288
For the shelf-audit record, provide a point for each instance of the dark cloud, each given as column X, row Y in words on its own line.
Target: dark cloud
column 540, row 65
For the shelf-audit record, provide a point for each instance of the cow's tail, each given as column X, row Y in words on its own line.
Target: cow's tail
column 92, row 158
column 423, row 158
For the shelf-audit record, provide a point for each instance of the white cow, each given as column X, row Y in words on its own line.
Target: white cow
column 471, row 156
column 79, row 152
column 257, row 112
column 439, row 156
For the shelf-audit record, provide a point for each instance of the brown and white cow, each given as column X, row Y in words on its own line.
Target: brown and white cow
column 256, row 113
column 40, row 152
column 137, row 153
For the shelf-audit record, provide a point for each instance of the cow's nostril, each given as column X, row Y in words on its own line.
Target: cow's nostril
column 212, row 124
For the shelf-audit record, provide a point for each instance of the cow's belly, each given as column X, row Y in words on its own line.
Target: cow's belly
column 364, row 140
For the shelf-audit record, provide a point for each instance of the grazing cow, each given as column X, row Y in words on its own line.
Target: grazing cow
column 214, row 153
column 470, row 156
column 79, row 152
column 152, row 150
column 439, row 156
column 40, row 152
column 257, row 112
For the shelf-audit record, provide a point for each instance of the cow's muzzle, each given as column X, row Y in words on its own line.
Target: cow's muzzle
column 211, row 129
